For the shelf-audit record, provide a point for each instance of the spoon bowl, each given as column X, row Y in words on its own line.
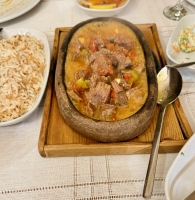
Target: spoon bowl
column 169, row 85
column 169, row 88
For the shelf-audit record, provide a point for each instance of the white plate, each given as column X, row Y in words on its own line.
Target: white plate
column 40, row 36
column 14, row 8
column 191, row 1
column 181, row 56
column 101, row 13
column 180, row 179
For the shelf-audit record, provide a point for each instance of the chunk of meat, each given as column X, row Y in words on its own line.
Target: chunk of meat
column 73, row 95
column 99, row 95
column 124, row 84
column 123, row 62
column 121, row 99
column 102, row 65
column 94, row 80
column 95, row 55
column 105, row 51
column 107, row 110
column 123, row 41
column 114, row 61
column 89, row 110
column 135, row 92
column 105, row 79
column 100, row 43
column 96, row 44
column 121, row 50
column 76, row 46
column 81, row 74
column 117, row 88
column 93, row 46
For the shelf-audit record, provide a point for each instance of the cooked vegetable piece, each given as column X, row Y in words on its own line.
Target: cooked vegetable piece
column 82, row 83
column 175, row 46
column 130, row 75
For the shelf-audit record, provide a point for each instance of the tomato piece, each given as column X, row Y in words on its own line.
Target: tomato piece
column 130, row 75
column 113, row 94
column 127, row 76
column 132, row 54
column 77, row 88
column 93, row 45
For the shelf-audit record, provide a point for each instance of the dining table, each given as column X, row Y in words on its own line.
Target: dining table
column 25, row 174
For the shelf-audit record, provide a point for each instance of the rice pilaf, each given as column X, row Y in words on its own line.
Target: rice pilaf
column 22, row 62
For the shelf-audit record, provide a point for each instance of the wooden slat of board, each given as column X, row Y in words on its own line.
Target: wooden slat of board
column 170, row 130
column 110, row 149
column 182, row 119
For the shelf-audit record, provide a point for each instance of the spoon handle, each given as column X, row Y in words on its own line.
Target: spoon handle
column 181, row 65
column 149, row 181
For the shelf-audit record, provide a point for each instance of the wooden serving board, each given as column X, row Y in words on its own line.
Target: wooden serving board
column 58, row 139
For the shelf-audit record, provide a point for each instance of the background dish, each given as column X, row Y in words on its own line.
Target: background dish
column 40, row 36
column 181, row 56
column 102, row 13
column 180, row 179
column 12, row 9
column 191, row 1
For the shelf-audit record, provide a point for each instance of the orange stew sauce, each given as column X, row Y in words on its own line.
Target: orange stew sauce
column 105, row 72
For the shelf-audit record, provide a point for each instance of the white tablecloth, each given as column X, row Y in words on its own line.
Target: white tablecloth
column 24, row 174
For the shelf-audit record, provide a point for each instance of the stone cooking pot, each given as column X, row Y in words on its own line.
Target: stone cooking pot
column 114, row 131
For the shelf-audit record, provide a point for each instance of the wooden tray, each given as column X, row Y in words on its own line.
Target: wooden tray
column 58, row 139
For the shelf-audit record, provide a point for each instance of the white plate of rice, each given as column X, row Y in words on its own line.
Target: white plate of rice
column 24, row 71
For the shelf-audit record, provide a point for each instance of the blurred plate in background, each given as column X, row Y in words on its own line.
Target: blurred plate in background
column 180, row 179
column 12, row 9
column 191, row 1
column 101, row 12
column 181, row 56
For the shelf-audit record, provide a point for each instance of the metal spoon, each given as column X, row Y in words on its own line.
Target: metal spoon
column 169, row 88
column 181, row 65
